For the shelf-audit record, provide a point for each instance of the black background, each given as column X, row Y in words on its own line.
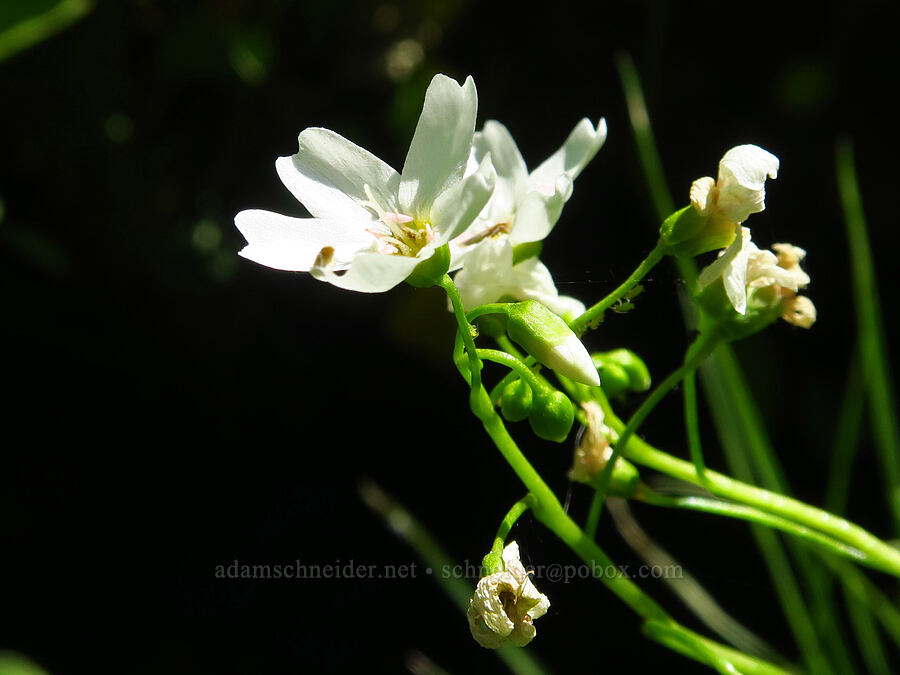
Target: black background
column 171, row 407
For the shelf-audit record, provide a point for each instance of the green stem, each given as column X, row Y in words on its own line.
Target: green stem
column 594, row 315
column 697, row 352
column 548, row 510
column 870, row 330
column 519, row 508
column 877, row 554
column 692, row 425
column 750, row 514
column 518, row 367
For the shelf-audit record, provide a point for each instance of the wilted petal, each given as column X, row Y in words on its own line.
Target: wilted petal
column 731, row 266
column 292, row 244
column 741, row 184
column 441, row 143
column 329, row 175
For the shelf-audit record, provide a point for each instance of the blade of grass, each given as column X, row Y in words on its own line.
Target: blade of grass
column 870, row 330
column 39, row 27
column 846, row 440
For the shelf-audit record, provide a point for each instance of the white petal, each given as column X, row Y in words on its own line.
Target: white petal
column 700, row 192
column 538, row 212
column 731, row 266
column 535, row 282
column 440, row 146
column 570, row 359
column 487, row 274
column 370, row 272
column 579, row 149
column 495, row 139
column 742, row 178
column 456, row 208
column 292, row 244
column 329, row 175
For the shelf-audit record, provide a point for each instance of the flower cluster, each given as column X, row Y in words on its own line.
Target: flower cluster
column 756, row 282
column 372, row 226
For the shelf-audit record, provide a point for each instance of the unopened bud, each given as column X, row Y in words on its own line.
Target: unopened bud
column 549, row 339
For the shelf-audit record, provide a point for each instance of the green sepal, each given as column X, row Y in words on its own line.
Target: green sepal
column 552, row 415
column 492, row 325
column 719, row 315
column 516, row 401
column 530, row 249
column 429, row 272
column 687, row 233
column 492, row 563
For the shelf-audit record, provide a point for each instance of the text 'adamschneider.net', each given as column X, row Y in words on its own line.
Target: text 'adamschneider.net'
column 297, row 570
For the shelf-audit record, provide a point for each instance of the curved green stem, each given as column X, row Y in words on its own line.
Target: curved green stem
column 548, row 510
column 697, row 352
column 516, row 512
column 520, row 368
column 594, row 315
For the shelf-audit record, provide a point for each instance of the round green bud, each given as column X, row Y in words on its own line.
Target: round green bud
column 621, row 370
column 429, row 272
column 516, row 401
column 552, row 415
column 625, row 479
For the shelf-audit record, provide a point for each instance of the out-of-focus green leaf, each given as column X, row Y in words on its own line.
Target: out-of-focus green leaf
column 16, row 664
column 25, row 23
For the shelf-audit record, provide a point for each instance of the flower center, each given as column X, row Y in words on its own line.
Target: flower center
column 400, row 234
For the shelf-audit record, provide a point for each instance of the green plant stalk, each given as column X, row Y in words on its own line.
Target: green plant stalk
column 516, row 512
column 866, row 630
column 548, row 510
column 38, row 28
column 692, row 425
column 408, row 528
column 696, row 353
column 877, row 554
column 846, row 440
column 753, row 515
column 592, row 317
column 870, row 331
column 514, row 364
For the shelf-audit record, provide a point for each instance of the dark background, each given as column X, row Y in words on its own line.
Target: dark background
column 171, row 407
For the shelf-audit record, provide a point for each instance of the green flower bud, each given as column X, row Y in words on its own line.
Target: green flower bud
column 621, row 370
column 552, row 415
column 516, row 401
column 549, row 339
column 429, row 272
column 689, row 233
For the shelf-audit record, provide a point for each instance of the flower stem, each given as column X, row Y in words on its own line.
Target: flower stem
column 516, row 512
column 877, row 554
column 594, row 315
column 548, row 510
column 696, row 353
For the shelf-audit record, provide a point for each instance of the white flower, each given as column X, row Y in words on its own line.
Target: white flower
column 370, row 225
column 740, row 188
column 592, row 450
column 505, row 605
column 755, row 278
column 523, row 209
